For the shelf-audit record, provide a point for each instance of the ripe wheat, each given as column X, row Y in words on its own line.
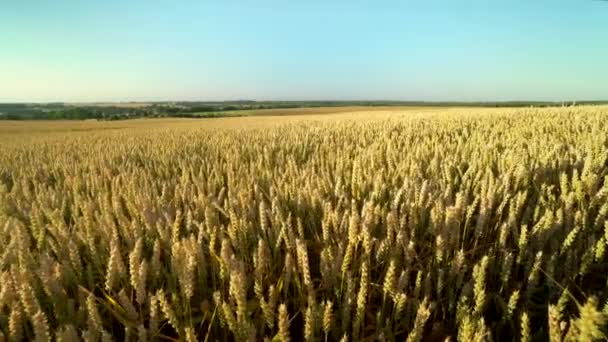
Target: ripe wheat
column 463, row 224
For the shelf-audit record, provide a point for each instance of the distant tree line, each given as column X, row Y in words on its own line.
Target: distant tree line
column 53, row 112
column 60, row 111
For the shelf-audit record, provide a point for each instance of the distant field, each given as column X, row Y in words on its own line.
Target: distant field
column 325, row 110
column 113, row 111
column 245, row 119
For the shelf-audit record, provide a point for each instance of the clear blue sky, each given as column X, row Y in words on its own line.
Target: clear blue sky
column 138, row 50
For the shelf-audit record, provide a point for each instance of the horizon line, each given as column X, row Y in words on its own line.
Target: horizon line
column 304, row 101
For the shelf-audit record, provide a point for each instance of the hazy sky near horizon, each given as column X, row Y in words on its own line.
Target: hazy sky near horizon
column 443, row 50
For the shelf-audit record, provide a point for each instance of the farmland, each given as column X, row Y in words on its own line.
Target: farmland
column 467, row 224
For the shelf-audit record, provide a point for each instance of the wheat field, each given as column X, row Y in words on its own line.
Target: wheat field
column 454, row 224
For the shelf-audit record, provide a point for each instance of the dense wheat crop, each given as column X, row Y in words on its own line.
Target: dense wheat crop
column 469, row 224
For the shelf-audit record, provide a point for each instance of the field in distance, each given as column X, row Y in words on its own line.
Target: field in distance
column 389, row 224
column 232, row 120
column 328, row 110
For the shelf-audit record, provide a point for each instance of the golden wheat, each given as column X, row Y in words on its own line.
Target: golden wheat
column 460, row 224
